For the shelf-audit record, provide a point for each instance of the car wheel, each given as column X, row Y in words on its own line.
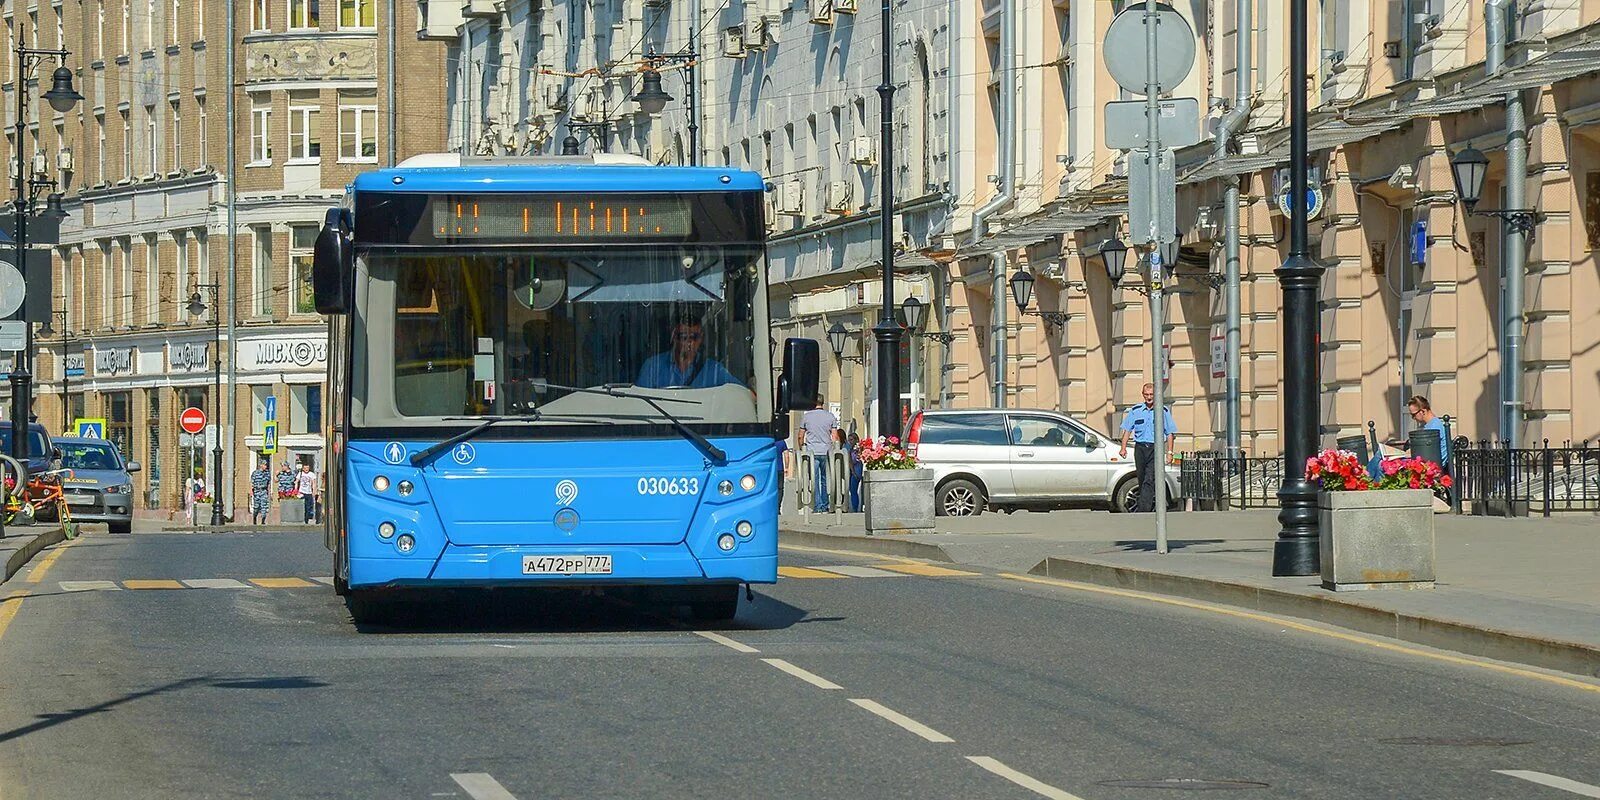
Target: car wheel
column 1126, row 496
column 960, row 498
column 122, row 527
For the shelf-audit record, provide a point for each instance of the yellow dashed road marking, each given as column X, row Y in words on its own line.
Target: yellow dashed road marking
column 9, row 606
column 156, row 583
column 37, row 574
column 805, row 572
column 925, row 570
column 281, row 583
column 1311, row 629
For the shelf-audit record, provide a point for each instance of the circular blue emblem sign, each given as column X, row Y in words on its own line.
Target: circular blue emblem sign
column 566, row 520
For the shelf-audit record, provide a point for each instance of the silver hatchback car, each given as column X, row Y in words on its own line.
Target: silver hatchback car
column 1022, row 458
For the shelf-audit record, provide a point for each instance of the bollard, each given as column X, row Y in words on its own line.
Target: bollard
column 838, row 482
column 805, row 483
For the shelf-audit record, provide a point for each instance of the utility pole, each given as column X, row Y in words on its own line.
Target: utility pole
column 888, row 328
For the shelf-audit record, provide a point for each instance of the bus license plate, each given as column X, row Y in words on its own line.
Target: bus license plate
column 566, row 565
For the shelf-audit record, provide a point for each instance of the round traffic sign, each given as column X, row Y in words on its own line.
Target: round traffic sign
column 192, row 420
column 1125, row 48
column 12, row 289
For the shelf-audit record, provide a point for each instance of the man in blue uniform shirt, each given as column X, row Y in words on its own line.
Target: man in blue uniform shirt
column 1140, row 425
column 682, row 366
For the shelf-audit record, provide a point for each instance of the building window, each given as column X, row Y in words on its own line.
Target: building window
column 258, row 408
column 119, row 421
column 180, row 283
column 105, row 285
column 262, row 269
column 202, row 266
column 125, row 300
column 100, row 30
column 153, row 448
column 152, row 281
column 305, row 409
column 200, row 110
column 127, row 147
column 302, row 239
column 150, row 128
column 305, row 140
column 174, row 38
column 260, row 130
column 100, row 148
column 61, row 30
column 304, row 14
column 357, row 13
column 358, row 126
column 258, row 15
column 127, row 26
column 150, row 24
column 177, row 137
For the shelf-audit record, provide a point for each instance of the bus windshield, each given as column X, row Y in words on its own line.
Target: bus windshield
column 499, row 332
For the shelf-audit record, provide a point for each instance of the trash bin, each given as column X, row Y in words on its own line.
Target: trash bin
column 1425, row 445
column 1356, row 444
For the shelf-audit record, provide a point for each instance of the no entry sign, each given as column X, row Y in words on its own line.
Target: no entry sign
column 192, row 420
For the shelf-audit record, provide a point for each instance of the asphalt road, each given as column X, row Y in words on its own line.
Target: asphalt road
column 218, row 665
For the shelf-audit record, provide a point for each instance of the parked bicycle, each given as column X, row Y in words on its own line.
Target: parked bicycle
column 43, row 492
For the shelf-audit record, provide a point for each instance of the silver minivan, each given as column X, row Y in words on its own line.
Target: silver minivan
column 1022, row 458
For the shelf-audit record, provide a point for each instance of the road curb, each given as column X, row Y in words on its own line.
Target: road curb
column 1460, row 637
column 28, row 551
column 873, row 545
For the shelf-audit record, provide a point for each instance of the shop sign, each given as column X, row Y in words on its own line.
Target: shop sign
column 283, row 353
column 189, row 357
column 116, row 361
column 74, row 365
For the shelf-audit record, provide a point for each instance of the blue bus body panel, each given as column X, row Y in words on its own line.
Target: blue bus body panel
column 654, row 505
column 557, row 178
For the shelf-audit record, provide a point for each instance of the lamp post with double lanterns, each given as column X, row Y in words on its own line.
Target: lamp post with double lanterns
column 25, row 189
column 196, row 308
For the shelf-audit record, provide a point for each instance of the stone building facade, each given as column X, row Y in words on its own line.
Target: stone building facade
column 144, row 170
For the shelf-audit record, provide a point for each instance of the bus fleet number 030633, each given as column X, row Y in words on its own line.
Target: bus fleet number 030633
column 680, row 486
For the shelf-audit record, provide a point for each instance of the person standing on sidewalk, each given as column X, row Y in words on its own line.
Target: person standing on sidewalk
column 260, row 499
column 816, row 428
column 1140, row 425
column 306, row 483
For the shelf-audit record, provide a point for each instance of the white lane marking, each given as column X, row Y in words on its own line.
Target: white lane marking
column 903, row 721
column 809, row 677
column 862, row 572
column 1553, row 781
column 90, row 586
column 325, row 580
column 726, row 642
column 213, row 583
column 1030, row 783
column 481, row 786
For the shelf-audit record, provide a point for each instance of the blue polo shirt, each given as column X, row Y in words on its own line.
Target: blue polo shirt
column 1141, row 420
column 1437, row 424
column 659, row 372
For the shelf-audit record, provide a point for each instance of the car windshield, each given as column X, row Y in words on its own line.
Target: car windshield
column 88, row 456
column 500, row 333
column 38, row 444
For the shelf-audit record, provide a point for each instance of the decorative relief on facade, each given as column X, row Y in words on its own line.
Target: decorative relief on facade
column 310, row 59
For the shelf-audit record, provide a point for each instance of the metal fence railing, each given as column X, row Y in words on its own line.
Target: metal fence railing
column 1497, row 480
column 1218, row 481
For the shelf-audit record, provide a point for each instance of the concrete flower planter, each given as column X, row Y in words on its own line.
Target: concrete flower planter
column 292, row 511
column 202, row 514
column 898, row 500
column 1376, row 539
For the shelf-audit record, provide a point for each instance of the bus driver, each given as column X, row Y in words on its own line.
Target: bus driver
column 683, row 366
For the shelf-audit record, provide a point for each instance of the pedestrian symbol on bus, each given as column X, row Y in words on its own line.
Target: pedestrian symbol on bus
column 394, row 452
column 464, row 453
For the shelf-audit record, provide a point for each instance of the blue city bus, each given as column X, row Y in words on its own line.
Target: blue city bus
column 553, row 372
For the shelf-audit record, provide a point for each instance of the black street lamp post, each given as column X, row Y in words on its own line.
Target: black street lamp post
column 888, row 329
column 1295, row 552
column 62, row 97
column 197, row 307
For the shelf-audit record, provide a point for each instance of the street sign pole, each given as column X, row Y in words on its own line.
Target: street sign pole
column 1152, row 111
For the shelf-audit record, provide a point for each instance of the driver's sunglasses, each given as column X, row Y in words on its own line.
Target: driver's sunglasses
column 686, row 336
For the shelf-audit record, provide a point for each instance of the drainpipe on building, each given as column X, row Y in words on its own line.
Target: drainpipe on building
column 389, row 115
column 1499, row 17
column 1005, row 142
column 1231, row 124
column 226, row 492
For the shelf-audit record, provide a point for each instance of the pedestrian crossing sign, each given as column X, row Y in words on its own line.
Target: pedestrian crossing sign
column 89, row 428
column 269, row 438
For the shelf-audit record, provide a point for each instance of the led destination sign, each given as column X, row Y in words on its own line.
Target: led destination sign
column 557, row 217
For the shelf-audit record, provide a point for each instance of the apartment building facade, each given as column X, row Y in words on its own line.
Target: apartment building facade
column 1412, row 297
column 785, row 88
column 144, row 165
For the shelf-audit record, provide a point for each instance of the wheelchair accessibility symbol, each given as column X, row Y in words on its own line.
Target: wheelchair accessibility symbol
column 463, row 453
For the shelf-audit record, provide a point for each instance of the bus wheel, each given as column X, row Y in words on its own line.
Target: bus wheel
column 341, row 586
column 715, row 604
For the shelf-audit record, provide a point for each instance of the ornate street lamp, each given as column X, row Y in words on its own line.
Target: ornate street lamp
column 650, row 97
column 570, row 145
column 1470, row 168
column 1022, row 289
column 838, row 336
column 913, row 315
column 1113, row 258
column 62, row 97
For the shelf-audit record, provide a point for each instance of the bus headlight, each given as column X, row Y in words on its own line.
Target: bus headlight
column 725, row 488
column 405, row 488
column 745, row 528
column 748, row 483
column 380, row 483
column 405, row 543
column 386, row 530
column 726, row 542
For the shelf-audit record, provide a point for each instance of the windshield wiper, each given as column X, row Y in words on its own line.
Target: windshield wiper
column 421, row 456
column 620, row 390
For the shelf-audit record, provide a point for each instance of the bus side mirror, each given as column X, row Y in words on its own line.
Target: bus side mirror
column 333, row 264
column 797, row 384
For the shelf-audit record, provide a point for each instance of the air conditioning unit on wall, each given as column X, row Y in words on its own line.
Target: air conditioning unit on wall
column 792, row 198
column 839, row 197
column 733, row 42
column 863, row 150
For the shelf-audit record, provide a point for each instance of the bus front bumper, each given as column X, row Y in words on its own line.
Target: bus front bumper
column 506, row 566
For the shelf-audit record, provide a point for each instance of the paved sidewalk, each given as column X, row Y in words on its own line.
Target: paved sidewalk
column 1525, row 590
